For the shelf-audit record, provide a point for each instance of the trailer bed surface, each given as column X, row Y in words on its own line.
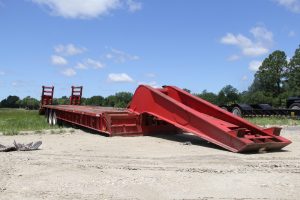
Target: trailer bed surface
column 90, row 110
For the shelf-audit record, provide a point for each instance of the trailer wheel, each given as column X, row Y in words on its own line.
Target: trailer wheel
column 295, row 106
column 237, row 111
column 54, row 118
column 50, row 117
column 46, row 114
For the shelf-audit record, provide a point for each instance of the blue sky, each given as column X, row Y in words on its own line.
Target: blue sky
column 114, row 45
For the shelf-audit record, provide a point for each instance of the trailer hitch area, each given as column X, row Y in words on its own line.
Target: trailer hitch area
column 273, row 130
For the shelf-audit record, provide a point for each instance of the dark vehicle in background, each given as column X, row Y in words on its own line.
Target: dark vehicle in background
column 293, row 103
column 244, row 110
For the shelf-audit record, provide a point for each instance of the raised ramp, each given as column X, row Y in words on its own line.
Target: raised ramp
column 75, row 98
column 46, row 98
column 205, row 120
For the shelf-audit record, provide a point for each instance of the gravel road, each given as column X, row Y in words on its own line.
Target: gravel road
column 80, row 165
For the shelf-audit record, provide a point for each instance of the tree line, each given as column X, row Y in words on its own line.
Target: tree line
column 276, row 79
column 120, row 99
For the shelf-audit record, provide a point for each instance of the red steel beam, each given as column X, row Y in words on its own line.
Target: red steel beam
column 204, row 119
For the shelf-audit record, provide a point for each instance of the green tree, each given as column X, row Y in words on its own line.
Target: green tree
column 95, row 100
column 29, row 103
column 83, row 101
column 64, row 100
column 228, row 95
column 208, row 96
column 272, row 74
column 294, row 74
column 122, row 99
column 110, row 101
column 10, row 102
column 256, row 97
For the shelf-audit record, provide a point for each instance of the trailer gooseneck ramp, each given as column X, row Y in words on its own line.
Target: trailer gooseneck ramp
column 170, row 109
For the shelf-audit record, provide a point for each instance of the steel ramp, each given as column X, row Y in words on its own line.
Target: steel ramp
column 46, row 98
column 203, row 119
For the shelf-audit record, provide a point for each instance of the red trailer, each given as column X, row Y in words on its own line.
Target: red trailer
column 165, row 110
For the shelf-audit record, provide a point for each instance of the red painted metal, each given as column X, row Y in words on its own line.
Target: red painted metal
column 46, row 98
column 75, row 98
column 172, row 110
column 204, row 119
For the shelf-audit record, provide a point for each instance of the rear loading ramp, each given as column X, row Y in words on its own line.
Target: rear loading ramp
column 46, row 98
column 204, row 119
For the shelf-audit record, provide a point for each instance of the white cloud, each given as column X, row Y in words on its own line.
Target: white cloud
column 254, row 65
column 81, row 66
column 238, row 40
column 151, row 83
column 58, row 60
column 122, row 77
column 291, row 5
column 109, row 56
column 292, row 33
column 120, row 56
column 2, row 73
column 69, row 49
column 244, row 78
column 233, row 57
column 262, row 34
column 259, row 45
column 69, row 72
column 134, row 6
column 87, row 9
column 89, row 63
column 94, row 63
column 255, row 51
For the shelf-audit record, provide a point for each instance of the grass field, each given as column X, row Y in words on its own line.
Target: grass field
column 281, row 121
column 14, row 120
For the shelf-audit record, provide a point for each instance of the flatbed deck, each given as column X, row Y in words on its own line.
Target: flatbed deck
column 105, row 120
column 87, row 110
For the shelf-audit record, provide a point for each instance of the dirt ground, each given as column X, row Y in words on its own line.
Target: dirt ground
column 82, row 165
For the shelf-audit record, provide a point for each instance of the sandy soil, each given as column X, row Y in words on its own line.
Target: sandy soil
column 82, row 165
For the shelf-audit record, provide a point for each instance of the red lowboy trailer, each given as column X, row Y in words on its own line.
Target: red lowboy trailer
column 168, row 109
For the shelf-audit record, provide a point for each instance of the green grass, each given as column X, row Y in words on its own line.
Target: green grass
column 263, row 121
column 11, row 132
column 12, row 121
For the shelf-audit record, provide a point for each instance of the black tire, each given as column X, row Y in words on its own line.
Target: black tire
column 295, row 106
column 237, row 111
column 46, row 115
column 54, row 118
